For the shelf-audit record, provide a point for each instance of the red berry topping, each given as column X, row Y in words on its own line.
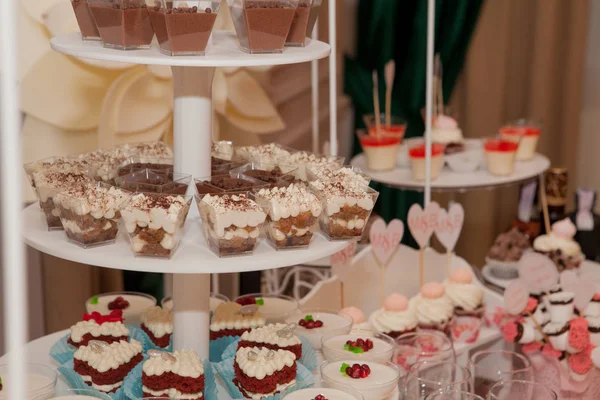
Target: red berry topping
column 118, row 304
column 349, row 371
column 245, row 301
column 369, row 344
column 114, row 316
column 366, row 368
column 359, row 345
column 320, row 397
column 318, row 323
column 309, row 323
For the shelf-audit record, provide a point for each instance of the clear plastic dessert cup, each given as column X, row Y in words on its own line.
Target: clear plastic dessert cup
column 305, row 160
column 136, row 303
column 346, row 393
column 304, row 21
column 216, row 299
column 80, row 394
column 90, row 222
column 466, row 161
column 274, row 307
column 220, row 165
column 154, row 223
column 418, row 161
column 40, row 381
column 183, row 28
column 58, row 164
column 123, row 24
column 333, row 173
column 380, row 384
column 153, row 181
column 336, row 347
column 273, row 174
column 396, row 128
column 332, row 324
column 381, row 150
column 500, row 156
column 262, row 26
column 228, row 183
column 137, row 163
column 85, row 21
column 526, row 133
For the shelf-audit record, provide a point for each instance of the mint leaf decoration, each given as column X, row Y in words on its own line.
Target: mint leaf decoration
column 354, row 349
column 308, row 317
column 94, row 300
column 347, row 347
column 343, row 368
column 260, row 302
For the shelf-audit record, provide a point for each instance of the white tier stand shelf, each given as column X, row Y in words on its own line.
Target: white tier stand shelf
column 448, row 180
column 192, row 115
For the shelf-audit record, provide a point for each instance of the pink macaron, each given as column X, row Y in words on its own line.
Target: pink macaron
column 357, row 316
column 432, row 290
column 461, row 275
column 395, row 302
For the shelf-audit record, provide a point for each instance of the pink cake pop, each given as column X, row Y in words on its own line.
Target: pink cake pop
column 433, row 290
column 353, row 312
column 395, row 302
column 461, row 275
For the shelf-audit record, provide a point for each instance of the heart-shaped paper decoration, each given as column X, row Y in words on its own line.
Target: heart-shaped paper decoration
column 538, row 272
column 342, row 259
column 516, row 296
column 568, row 278
column 385, row 239
column 449, row 225
column 584, row 290
column 422, row 223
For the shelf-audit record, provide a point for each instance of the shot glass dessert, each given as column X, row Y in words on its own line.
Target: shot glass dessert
column 154, row 222
column 105, row 163
column 232, row 222
column 152, row 181
column 304, row 160
column 132, row 304
column 84, row 18
column 526, row 133
column 262, row 26
column 396, row 128
column 304, row 21
column 292, row 215
column 314, row 323
column 500, row 156
column 359, row 345
column 381, row 151
column 183, row 28
column 418, row 161
column 346, row 208
column 89, row 213
column 272, row 174
column 123, row 24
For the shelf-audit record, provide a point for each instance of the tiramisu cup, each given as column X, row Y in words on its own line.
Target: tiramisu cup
column 123, row 24
column 86, row 23
column 262, row 26
column 232, row 222
column 304, row 160
column 138, row 163
column 331, row 173
column 594, row 330
column 526, row 134
column 154, row 222
column 183, row 28
column 500, row 156
column 292, row 215
column 562, row 307
column 418, row 161
column 89, row 213
column 105, row 162
column 152, row 149
column 222, row 149
column 48, row 185
column 57, row 164
column 558, row 334
column 151, row 181
column 230, row 183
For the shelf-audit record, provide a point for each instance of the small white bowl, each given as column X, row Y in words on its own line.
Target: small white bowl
column 466, row 161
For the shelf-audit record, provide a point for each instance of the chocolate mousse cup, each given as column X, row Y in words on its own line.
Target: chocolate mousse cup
column 123, row 24
column 86, row 23
column 228, row 183
column 262, row 26
column 272, row 174
column 157, row 164
column 151, row 181
column 183, row 28
column 303, row 23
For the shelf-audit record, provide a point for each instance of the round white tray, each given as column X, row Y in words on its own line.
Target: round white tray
column 223, row 52
column 192, row 256
column 448, row 180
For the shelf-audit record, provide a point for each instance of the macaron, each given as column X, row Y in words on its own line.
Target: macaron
column 461, row 275
column 395, row 302
column 353, row 312
column 432, row 290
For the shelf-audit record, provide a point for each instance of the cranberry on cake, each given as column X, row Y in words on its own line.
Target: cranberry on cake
column 177, row 375
column 95, row 326
column 274, row 337
column 293, row 211
column 263, row 372
column 104, row 366
column 154, row 222
column 231, row 222
column 157, row 322
column 89, row 212
column 233, row 319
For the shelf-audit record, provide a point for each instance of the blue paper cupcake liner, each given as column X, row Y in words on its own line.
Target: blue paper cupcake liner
column 133, row 385
column 308, row 359
column 218, row 346
column 148, row 344
column 304, row 379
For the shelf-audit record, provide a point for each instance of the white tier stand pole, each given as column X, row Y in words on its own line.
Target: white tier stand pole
column 333, row 140
column 13, row 260
column 314, row 75
column 429, row 98
column 192, row 125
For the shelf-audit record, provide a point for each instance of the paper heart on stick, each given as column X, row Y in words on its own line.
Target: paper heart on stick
column 584, row 290
column 385, row 239
column 538, row 272
column 422, row 223
column 342, row 259
column 449, row 225
column 516, row 296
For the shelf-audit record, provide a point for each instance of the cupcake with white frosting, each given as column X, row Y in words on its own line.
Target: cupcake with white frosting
column 464, row 294
column 560, row 246
column 395, row 318
column 434, row 310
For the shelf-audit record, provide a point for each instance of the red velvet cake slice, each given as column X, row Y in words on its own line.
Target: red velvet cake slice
column 104, row 366
column 177, row 375
column 233, row 319
column 263, row 372
column 157, row 322
column 274, row 337
column 95, row 326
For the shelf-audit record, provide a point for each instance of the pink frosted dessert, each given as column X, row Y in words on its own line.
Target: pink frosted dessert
column 395, row 318
column 434, row 310
column 358, row 318
column 466, row 296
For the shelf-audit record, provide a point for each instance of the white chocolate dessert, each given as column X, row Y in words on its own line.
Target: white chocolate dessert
column 89, row 212
column 292, row 213
column 154, row 222
column 232, row 223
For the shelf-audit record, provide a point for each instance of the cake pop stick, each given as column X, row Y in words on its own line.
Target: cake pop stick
column 544, row 203
column 390, row 70
column 340, row 263
column 376, row 103
column 439, row 99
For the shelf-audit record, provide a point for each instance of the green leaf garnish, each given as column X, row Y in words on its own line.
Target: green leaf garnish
column 354, row 349
column 260, row 302
column 308, row 318
column 94, row 300
column 0, row 380
column 343, row 368
column 347, row 347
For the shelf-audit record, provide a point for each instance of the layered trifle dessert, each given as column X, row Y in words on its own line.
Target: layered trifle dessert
column 334, row 174
column 269, row 153
column 137, row 163
column 275, row 307
column 304, row 160
column 89, row 212
column 154, row 222
column 85, row 21
column 131, row 304
column 306, row 15
column 374, row 380
column 123, row 24
column 234, row 182
column 58, row 164
column 292, row 214
column 177, row 375
column 261, row 372
column 272, row 174
column 313, row 324
column 106, row 163
column 232, row 222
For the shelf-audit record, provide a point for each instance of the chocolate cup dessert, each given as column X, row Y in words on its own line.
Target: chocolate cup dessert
column 183, row 30
column 86, row 23
column 123, row 24
column 262, row 26
column 151, row 181
column 303, row 23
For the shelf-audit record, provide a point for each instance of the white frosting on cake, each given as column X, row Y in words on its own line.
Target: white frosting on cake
column 187, row 364
column 268, row 334
column 158, row 320
column 49, row 183
column 226, row 210
column 385, row 321
column 445, row 130
column 172, row 393
column 547, row 243
column 290, row 201
column 338, row 195
column 266, row 362
column 432, row 311
column 467, row 296
column 114, row 329
column 246, row 323
column 90, row 198
column 111, row 356
column 155, row 212
column 102, row 388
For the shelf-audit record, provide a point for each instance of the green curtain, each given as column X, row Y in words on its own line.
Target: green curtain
column 397, row 29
